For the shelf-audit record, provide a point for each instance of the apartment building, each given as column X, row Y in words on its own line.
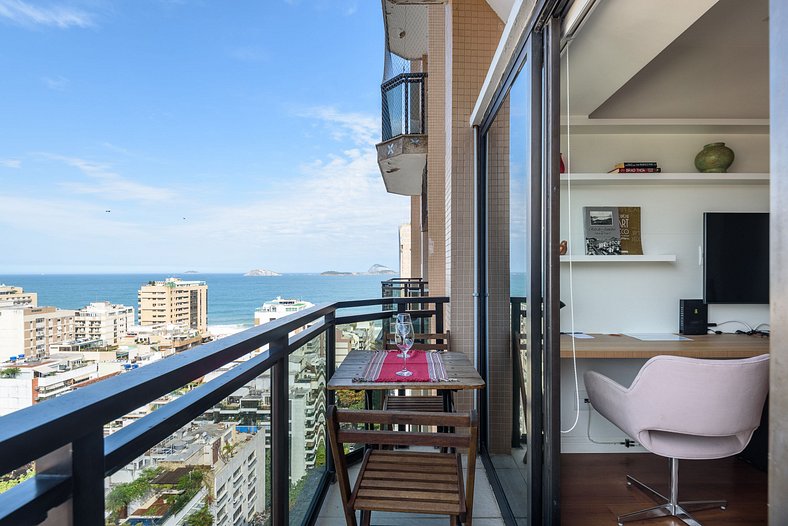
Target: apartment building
column 31, row 331
column 174, row 302
column 250, row 406
column 233, row 470
column 33, row 382
column 239, row 483
column 103, row 321
column 11, row 296
column 405, row 249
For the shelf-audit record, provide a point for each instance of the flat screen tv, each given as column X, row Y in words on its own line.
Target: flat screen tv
column 736, row 257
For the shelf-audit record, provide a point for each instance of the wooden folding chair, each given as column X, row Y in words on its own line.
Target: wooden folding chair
column 405, row 481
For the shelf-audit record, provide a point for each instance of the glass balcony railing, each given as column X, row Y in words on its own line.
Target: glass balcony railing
column 218, row 431
column 403, row 105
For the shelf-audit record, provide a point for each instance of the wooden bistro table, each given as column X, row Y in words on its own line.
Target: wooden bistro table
column 460, row 371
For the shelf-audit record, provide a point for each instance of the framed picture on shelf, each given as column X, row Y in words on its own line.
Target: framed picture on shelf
column 612, row 230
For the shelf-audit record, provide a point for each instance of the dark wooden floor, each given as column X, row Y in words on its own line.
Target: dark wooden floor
column 594, row 490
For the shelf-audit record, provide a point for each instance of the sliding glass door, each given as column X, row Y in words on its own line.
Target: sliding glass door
column 517, row 281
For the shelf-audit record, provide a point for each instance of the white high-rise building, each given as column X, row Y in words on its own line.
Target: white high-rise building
column 103, row 321
column 277, row 308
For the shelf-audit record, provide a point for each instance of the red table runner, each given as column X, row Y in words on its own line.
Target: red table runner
column 426, row 366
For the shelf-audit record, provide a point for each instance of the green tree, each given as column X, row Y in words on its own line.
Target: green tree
column 8, row 483
column 122, row 495
column 350, row 399
column 189, row 485
column 320, row 455
column 201, row 517
column 10, row 372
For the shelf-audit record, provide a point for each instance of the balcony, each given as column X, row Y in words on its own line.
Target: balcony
column 66, row 435
column 402, row 156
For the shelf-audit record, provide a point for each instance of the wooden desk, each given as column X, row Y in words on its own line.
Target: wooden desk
column 702, row 346
column 457, row 367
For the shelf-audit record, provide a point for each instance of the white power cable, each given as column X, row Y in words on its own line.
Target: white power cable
column 569, row 249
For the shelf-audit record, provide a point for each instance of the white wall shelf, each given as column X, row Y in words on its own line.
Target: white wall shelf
column 579, row 124
column 662, row 258
column 587, row 179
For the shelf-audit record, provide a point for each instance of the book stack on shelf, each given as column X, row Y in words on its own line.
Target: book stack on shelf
column 636, row 167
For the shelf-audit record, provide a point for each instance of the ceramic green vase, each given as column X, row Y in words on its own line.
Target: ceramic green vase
column 714, row 158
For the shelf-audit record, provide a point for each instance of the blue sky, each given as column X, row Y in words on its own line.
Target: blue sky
column 170, row 135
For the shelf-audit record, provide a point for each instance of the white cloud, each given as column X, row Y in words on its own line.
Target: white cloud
column 109, row 184
column 57, row 83
column 329, row 213
column 25, row 14
column 11, row 163
column 336, row 211
column 362, row 129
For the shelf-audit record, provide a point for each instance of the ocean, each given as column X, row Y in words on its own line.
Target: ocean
column 232, row 298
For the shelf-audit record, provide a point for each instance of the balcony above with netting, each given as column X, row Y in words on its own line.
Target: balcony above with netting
column 402, row 153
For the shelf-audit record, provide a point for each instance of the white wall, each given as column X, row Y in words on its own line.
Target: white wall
column 644, row 296
column 16, row 393
column 12, row 333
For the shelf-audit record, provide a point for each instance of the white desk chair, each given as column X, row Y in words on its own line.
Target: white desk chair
column 684, row 408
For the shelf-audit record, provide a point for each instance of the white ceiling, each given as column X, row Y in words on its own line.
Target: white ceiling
column 704, row 59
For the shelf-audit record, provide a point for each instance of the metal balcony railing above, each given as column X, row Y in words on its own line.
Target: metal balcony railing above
column 403, row 288
column 403, row 105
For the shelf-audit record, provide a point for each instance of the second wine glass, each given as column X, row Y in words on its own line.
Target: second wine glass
column 403, row 338
column 403, row 318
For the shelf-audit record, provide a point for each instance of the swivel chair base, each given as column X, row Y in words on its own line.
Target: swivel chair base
column 669, row 506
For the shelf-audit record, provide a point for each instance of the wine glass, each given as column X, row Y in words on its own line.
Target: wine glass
column 403, row 338
column 403, row 318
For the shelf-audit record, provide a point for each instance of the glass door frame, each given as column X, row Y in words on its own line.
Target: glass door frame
column 540, row 52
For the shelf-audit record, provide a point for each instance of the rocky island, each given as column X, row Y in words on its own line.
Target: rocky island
column 374, row 270
column 380, row 269
column 262, row 272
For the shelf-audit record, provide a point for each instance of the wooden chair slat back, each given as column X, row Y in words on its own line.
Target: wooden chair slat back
column 399, row 438
column 424, row 341
column 403, row 417
column 339, row 437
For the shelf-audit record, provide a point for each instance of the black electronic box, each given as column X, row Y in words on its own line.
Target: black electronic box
column 693, row 317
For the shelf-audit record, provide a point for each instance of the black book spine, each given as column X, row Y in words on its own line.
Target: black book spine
column 640, row 165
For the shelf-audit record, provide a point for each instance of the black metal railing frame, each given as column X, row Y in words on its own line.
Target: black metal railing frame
column 517, row 314
column 407, row 80
column 403, row 287
column 64, row 436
